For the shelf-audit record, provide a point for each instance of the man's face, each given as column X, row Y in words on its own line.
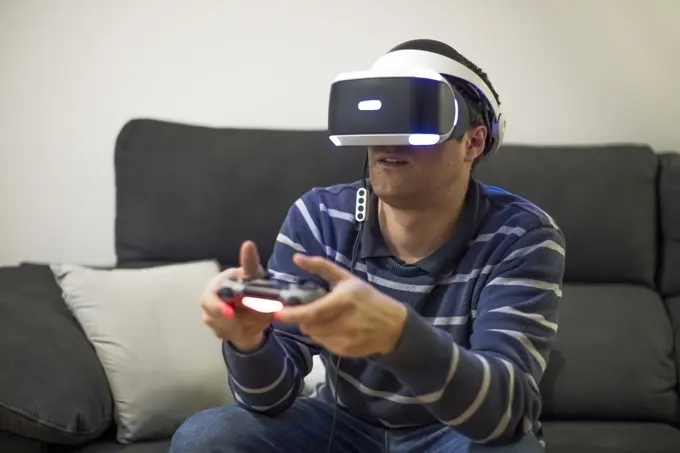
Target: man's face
column 411, row 176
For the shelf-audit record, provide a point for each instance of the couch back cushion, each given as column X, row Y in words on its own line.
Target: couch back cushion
column 614, row 357
column 603, row 197
column 669, row 275
column 189, row 193
column 669, row 203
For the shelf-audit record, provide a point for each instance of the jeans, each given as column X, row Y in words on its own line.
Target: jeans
column 306, row 428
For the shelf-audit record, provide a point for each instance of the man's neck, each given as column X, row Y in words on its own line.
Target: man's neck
column 414, row 234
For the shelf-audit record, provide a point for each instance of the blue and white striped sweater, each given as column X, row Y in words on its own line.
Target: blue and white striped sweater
column 482, row 319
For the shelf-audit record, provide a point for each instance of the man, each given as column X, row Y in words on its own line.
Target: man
column 434, row 341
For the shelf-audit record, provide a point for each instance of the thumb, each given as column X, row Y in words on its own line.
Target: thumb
column 250, row 260
column 322, row 267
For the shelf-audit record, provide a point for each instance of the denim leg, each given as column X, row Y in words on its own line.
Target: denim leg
column 303, row 428
column 439, row 439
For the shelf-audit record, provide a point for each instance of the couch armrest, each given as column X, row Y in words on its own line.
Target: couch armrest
column 52, row 388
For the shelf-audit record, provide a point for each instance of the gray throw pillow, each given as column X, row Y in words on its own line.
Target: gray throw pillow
column 162, row 363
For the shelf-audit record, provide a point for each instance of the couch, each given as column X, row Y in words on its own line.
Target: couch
column 187, row 192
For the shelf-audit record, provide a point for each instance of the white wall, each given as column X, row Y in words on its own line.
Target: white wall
column 73, row 71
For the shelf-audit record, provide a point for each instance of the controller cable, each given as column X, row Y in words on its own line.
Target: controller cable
column 355, row 255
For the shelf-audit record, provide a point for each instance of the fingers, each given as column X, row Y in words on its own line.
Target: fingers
column 213, row 305
column 322, row 267
column 320, row 311
column 307, row 314
column 228, row 311
column 216, row 308
column 250, row 260
column 250, row 268
column 229, row 274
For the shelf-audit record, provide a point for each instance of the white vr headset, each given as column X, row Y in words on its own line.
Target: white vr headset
column 405, row 100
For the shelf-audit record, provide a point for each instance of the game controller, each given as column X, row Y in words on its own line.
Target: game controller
column 267, row 295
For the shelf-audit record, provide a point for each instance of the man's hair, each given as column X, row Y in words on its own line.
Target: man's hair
column 475, row 107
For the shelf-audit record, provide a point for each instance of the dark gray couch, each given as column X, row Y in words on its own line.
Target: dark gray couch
column 186, row 193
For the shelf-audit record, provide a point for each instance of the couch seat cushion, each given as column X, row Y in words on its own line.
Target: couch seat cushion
column 613, row 359
column 111, row 446
column 611, row 437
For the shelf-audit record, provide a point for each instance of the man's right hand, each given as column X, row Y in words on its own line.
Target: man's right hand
column 241, row 327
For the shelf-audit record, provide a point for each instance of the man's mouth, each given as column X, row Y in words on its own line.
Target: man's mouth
column 392, row 161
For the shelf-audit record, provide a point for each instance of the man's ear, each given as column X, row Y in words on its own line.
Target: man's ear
column 475, row 141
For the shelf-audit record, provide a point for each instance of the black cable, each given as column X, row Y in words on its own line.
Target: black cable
column 355, row 256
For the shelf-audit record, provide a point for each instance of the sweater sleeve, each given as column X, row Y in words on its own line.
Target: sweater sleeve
column 270, row 379
column 488, row 392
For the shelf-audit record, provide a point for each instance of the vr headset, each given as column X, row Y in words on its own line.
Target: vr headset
column 410, row 98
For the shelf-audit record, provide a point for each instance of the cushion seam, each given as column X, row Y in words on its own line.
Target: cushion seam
column 35, row 418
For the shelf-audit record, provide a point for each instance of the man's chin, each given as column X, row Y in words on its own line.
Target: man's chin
column 399, row 199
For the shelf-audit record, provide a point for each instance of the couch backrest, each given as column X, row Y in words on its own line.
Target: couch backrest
column 603, row 197
column 669, row 275
column 616, row 356
column 181, row 191
column 188, row 192
column 669, row 203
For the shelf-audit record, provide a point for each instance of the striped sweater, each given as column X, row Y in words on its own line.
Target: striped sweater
column 482, row 319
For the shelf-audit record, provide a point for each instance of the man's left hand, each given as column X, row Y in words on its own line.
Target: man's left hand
column 353, row 320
